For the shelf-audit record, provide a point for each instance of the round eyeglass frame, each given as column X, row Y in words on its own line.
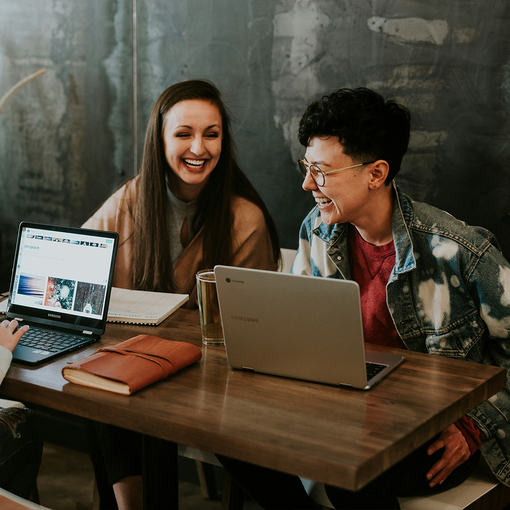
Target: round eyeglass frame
column 318, row 175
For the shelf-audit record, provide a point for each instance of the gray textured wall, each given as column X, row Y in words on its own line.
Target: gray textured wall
column 71, row 137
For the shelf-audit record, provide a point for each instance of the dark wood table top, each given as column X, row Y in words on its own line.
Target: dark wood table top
column 329, row 434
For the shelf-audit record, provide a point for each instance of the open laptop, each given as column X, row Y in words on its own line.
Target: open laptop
column 302, row 327
column 60, row 286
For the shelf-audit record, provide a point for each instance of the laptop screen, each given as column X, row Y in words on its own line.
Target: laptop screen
column 62, row 274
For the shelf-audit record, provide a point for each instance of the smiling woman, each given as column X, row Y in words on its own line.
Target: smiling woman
column 191, row 207
column 192, row 137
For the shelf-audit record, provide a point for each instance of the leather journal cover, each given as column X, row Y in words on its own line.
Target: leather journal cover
column 133, row 364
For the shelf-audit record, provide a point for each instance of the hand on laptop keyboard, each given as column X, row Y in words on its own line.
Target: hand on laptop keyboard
column 10, row 334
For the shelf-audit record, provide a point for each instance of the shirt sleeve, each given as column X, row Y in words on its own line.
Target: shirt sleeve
column 5, row 361
column 489, row 287
column 252, row 241
column 472, row 434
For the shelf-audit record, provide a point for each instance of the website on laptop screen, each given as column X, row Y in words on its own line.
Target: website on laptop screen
column 62, row 270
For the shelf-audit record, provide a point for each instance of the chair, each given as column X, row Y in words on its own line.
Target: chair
column 288, row 256
column 481, row 491
column 10, row 403
column 204, row 462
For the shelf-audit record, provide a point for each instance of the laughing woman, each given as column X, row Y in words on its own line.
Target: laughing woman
column 190, row 208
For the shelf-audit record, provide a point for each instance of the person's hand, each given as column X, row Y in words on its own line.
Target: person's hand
column 9, row 337
column 456, row 453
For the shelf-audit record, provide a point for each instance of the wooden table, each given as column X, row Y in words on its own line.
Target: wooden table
column 334, row 435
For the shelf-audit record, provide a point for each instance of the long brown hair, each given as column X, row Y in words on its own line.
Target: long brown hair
column 151, row 255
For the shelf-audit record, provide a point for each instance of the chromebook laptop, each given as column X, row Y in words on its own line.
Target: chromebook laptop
column 295, row 326
column 60, row 286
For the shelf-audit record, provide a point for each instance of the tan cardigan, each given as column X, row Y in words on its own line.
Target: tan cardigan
column 252, row 243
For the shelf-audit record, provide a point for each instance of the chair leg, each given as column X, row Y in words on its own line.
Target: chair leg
column 206, row 478
column 233, row 495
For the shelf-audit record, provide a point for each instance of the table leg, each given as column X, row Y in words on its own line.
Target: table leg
column 160, row 474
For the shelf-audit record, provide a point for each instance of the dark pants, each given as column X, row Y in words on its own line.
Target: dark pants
column 407, row 478
column 20, row 451
column 274, row 490
column 115, row 453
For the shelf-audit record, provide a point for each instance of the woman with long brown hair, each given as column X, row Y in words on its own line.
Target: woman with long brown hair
column 190, row 208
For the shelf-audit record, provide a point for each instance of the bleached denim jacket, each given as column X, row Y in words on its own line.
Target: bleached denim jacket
column 448, row 294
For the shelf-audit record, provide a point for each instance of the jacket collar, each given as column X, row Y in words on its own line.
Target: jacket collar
column 402, row 217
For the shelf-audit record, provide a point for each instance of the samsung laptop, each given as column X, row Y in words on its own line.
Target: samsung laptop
column 60, row 286
column 302, row 327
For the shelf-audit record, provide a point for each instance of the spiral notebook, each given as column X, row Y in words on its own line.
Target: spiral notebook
column 143, row 307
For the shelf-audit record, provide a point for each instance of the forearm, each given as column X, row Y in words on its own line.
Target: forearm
column 5, row 361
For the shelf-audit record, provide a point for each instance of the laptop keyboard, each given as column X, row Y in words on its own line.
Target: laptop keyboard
column 48, row 340
column 373, row 369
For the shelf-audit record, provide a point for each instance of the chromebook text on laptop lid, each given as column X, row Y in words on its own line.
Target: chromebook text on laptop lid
column 60, row 286
column 302, row 327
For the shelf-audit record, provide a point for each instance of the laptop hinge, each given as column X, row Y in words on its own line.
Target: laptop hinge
column 87, row 332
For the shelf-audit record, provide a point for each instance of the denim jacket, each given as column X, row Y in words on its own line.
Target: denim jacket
column 448, row 294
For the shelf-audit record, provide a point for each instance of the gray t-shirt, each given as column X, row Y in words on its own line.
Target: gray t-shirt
column 177, row 213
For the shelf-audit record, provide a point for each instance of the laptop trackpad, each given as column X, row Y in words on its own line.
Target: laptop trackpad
column 28, row 354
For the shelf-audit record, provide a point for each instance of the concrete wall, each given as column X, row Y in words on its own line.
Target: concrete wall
column 68, row 139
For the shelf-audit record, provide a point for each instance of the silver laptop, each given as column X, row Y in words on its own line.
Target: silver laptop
column 302, row 327
column 60, row 286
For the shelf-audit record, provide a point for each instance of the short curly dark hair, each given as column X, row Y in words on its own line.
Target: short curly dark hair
column 367, row 126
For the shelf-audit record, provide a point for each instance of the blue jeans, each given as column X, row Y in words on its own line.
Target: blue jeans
column 20, row 451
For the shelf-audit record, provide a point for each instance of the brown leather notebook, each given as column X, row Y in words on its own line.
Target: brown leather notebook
column 133, row 364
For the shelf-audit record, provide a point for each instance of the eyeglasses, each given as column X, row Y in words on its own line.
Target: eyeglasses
column 318, row 175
